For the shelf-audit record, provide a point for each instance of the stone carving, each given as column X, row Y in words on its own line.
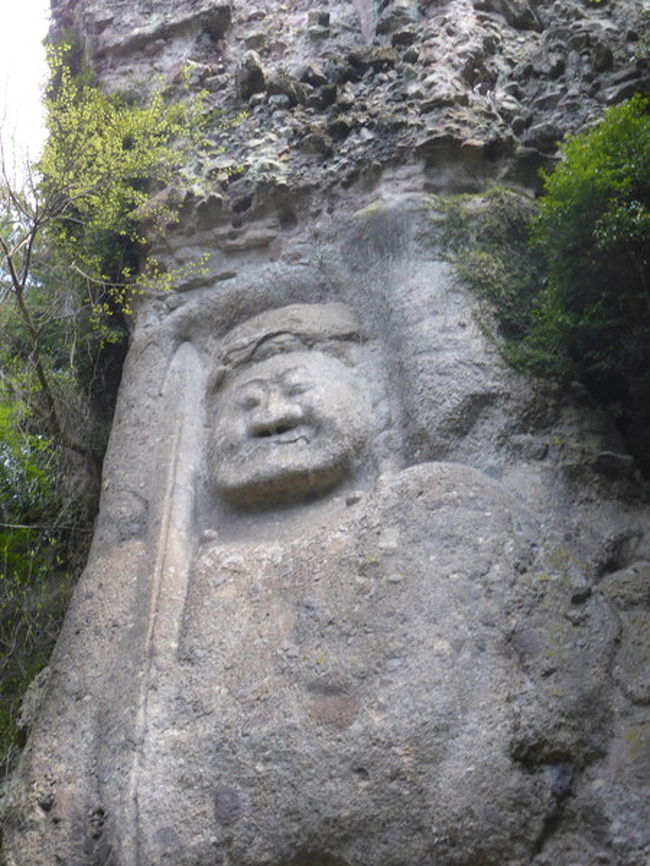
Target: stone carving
column 339, row 653
column 291, row 419
column 354, row 664
column 345, row 676
column 302, row 638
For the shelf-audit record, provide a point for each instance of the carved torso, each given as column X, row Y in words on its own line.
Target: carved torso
column 322, row 677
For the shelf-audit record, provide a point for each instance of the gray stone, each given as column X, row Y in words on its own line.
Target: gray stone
column 403, row 37
column 203, row 16
column 359, row 595
column 279, row 100
column 376, row 57
column 33, row 700
column 314, row 75
column 602, row 57
column 411, row 55
column 318, row 32
column 316, row 141
column 291, row 423
column 544, row 136
column 621, row 92
column 250, row 76
column 318, row 18
column 336, row 613
column 518, row 13
column 255, row 41
column 288, row 86
column 216, row 19
column 614, row 465
column 630, row 590
column 396, row 14
column 340, row 127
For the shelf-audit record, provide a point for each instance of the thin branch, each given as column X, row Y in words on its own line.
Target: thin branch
column 10, row 264
column 97, row 281
column 27, row 262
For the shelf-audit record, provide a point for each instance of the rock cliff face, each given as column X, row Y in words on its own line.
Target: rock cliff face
column 475, row 88
column 359, row 595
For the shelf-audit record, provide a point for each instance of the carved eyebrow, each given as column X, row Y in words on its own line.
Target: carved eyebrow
column 283, row 377
column 254, row 383
column 299, row 371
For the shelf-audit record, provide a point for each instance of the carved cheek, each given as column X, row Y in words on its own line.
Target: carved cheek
column 230, row 431
column 315, row 419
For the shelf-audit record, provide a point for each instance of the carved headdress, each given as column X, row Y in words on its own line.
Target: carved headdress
column 286, row 329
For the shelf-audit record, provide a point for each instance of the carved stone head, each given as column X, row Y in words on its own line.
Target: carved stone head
column 291, row 415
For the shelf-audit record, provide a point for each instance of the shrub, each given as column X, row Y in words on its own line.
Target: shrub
column 43, row 539
column 486, row 238
column 593, row 230
column 72, row 254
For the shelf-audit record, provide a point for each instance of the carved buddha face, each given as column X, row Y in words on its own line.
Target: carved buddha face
column 287, row 427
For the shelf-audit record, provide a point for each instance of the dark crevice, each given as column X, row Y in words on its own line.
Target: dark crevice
column 273, row 430
column 549, row 828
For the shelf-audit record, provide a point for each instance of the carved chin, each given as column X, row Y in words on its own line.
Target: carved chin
column 273, row 484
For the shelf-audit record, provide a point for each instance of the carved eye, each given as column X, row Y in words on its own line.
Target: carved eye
column 295, row 389
column 249, row 401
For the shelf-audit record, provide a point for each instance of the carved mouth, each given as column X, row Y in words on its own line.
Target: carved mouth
column 273, row 430
column 289, row 438
column 281, row 433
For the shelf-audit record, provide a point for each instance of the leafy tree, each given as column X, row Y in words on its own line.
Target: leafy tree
column 77, row 219
column 593, row 229
column 568, row 279
column 104, row 160
column 43, row 540
column 72, row 253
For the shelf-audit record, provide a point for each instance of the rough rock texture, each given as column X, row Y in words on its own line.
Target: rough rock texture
column 466, row 91
column 359, row 595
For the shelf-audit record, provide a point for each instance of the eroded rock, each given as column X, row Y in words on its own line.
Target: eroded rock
column 250, row 75
column 359, row 595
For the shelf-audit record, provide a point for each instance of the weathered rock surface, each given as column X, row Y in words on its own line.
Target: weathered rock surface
column 470, row 92
column 359, row 595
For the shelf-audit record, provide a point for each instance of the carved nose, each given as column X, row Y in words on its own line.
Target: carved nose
column 277, row 416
